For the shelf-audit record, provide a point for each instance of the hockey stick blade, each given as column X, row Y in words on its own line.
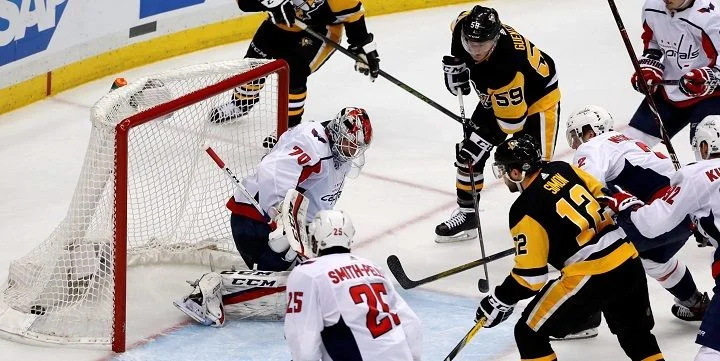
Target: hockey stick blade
column 405, row 282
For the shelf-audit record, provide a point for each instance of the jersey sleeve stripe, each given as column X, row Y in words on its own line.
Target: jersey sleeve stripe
column 533, row 283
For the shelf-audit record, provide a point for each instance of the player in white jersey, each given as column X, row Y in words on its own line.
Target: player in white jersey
column 343, row 307
column 617, row 160
column 681, row 41
column 313, row 158
column 695, row 191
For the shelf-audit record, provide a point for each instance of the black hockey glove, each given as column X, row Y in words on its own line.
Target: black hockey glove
column 457, row 75
column 493, row 310
column 281, row 11
column 471, row 149
column 367, row 51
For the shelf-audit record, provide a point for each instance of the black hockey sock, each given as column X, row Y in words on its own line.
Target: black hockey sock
column 686, row 288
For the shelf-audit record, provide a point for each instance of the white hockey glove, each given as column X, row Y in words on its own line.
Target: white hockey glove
column 471, row 149
column 457, row 75
column 281, row 11
column 493, row 310
column 367, row 51
column 290, row 234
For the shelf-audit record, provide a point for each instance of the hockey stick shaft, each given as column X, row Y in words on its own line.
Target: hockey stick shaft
column 471, row 171
column 465, row 340
column 382, row 73
column 405, row 282
column 643, row 84
column 235, row 179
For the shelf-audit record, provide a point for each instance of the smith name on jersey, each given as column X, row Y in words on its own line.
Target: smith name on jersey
column 302, row 160
column 517, row 79
column 689, row 39
column 578, row 238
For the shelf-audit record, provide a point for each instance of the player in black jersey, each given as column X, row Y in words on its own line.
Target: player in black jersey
column 557, row 220
column 518, row 89
column 279, row 38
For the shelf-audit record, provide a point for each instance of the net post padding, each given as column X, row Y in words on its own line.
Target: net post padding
column 147, row 194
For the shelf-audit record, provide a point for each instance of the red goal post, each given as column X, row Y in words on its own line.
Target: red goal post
column 147, row 194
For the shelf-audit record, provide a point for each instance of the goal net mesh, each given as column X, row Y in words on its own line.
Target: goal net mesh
column 63, row 290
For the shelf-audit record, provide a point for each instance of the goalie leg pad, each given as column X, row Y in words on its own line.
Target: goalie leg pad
column 205, row 304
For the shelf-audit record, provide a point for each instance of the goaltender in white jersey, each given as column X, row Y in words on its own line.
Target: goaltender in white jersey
column 341, row 306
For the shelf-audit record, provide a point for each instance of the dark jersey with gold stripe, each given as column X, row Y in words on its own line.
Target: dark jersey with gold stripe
column 558, row 221
column 320, row 13
column 517, row 79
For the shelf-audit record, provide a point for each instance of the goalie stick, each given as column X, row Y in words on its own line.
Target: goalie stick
column 234, row 178
column 398, row 271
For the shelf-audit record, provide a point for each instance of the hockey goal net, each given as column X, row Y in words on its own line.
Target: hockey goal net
column 147, row 194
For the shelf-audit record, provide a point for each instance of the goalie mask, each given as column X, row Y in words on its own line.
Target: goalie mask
column 590, row 117
column 350, row 135
column 329, row 228
column 708, row 132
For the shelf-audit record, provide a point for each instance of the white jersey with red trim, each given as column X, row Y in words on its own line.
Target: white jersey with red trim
column 342, row 307
column 615, row 159
column 689, row 39
column 695, row 191
column 302, row 159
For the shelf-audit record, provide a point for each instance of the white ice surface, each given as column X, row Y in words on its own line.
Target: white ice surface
column 406, row 189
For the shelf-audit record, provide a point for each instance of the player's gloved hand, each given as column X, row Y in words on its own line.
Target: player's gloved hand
column 281, row 11
column 367, row 51
column 700, row 82
column 457, row 75
column 493, row 310
column 700, row 239
column 471, row 149
column 652, row 70
column 278, row 240
column 620, row 200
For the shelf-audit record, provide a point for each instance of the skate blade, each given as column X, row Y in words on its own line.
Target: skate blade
column 589, row 333
column 187, row 311
column 458, row 237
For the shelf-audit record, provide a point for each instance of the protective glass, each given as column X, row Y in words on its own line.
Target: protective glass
column 479, row 51
column 574, row 138
column 499, row 170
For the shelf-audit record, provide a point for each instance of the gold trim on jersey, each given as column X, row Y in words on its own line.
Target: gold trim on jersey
column 554, row 297
column 591, row 183
column 334, row 33
column 655, row 357
column 548, row 131
column 551, row 357
column 605, row 264
column 548, row 101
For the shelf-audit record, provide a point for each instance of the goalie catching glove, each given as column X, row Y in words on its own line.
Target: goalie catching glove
column 367, row 52
column 493, row 310
column 288, row 226
column 281, row 11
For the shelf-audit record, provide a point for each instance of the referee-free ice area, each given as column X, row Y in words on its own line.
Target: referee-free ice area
column 406, row 188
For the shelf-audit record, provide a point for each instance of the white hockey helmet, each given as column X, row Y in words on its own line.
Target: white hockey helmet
column 329, row 228
column 708, row 131
column 591, row 115
column 350, row 134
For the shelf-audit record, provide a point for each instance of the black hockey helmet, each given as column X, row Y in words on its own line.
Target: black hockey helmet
column 521, row 153
column 481, row 25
